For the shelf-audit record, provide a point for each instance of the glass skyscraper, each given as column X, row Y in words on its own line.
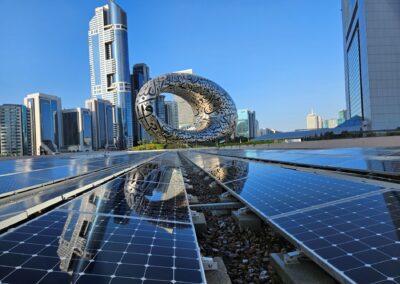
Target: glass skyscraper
column 77, row 129
column 246, row 125
column 45, row 111
column 109, row 68
column 372, row 61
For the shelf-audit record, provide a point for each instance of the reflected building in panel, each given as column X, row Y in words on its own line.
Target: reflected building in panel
column 45, row 115
column 372, row 61
column 109, row 68
column 102, row 123
column 15, row 130
column 77, row 129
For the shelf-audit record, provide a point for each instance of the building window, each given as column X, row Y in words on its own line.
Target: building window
column 110, row 80
column 354, row 76
column 109, row 50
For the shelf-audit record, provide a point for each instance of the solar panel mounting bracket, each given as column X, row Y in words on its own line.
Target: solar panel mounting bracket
column 209, row 263
column 293, row 257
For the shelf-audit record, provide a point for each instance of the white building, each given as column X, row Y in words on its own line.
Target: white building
column 46, row 122
column 314, row 121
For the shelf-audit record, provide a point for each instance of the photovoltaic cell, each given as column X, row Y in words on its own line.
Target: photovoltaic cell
column 351, row 229
column 377, row 160
column 74, row 247
column 359, row 238
column 109, row 236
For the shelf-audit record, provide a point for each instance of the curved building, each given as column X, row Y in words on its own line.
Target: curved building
column 109, row 67
column 214, row 110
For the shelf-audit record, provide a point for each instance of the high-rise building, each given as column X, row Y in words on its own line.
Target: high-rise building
column 185, row 112
column 109, row 68
column 172, row 114
column 314, row 121
column 246, row 125
column 77, row 129
column 161, row 109
column 372, row 61
column 341, row 117
column 140, row 75
column 15, row 130
column 102, row 123
column 45, row 112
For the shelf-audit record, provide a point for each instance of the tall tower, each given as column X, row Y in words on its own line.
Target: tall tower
column 109, row 67
column 371, row 45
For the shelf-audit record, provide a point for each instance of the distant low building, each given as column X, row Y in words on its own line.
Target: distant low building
column 15, row 130
column 330, row 123
column 77, row 130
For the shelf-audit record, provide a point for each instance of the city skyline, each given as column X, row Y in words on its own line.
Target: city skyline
column 276, row 82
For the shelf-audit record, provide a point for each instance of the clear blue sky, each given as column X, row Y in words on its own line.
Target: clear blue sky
column 278, row 57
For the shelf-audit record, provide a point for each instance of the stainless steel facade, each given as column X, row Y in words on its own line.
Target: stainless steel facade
column 371, row 30
column 215, row 111
column 109, row 68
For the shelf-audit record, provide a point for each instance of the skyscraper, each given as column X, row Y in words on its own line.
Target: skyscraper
column 102, row 123
column 45, row 111
column 140, row 75
column 109, row 67
column 372, row 61
column 77, row 129
column 15, row 130
column 341, row 116
column 185, row 112
column 314, row 121
column 172, row 114
column 247, row 125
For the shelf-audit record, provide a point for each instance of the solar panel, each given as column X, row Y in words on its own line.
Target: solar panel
column 274, row 190
column 359, row 238
column 44, row 170
column 103, row 237
column 351, row 229
column 380, row 161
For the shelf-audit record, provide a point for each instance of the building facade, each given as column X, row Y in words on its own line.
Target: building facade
column 77, row 130
column 246, row 125
column 140, row 75
column 314, row 121
column 172, row 114
column 46, row 122
column 109, row 68
column 341, row 116
column 15, row 130
column 185, row 112
column 102, row 123
column 372, row 61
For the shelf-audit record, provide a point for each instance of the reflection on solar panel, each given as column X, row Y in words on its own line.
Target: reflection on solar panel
column 377, row 160
column 15, row 175
column 118, row 233
column 351, row 229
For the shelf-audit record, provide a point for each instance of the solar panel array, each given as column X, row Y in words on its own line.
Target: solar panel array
column 113, row 234
column 23, row 173
column 384, row 161
column 350, row 228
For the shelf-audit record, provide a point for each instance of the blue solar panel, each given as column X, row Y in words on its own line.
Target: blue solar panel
column 352, row 229
column 274, row 190
column 359, row 238
column 381, row 161
column 120, row 232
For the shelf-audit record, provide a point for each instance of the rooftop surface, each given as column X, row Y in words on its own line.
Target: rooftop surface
column 128, row 218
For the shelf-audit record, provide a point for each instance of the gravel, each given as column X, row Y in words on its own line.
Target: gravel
column 245, row 253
